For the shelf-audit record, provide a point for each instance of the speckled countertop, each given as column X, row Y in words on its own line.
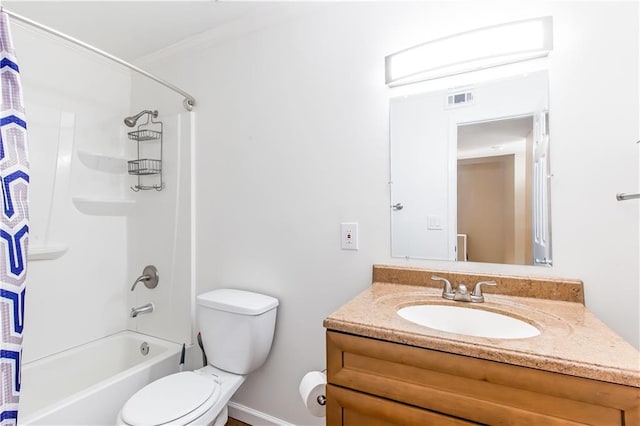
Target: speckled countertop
column 572, row 340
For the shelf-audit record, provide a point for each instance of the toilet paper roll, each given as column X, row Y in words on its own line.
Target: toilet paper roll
column 312, row 392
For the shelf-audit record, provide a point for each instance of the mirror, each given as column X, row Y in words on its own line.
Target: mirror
column 470, row 173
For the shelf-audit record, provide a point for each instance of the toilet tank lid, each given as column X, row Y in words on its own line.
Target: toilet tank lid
column 237, row 301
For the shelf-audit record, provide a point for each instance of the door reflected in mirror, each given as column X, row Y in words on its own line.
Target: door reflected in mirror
column 470, row 168
column 494, row 191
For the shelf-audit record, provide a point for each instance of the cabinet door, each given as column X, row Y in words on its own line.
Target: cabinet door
column 347, row 407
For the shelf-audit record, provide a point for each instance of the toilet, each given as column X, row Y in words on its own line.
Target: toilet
column 237, row 330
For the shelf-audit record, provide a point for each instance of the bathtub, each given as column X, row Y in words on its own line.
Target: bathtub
column 89, row 384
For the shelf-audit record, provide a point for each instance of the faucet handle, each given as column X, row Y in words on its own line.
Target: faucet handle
column 149, row 277
column 476, row 295
column 447, row 293
column 140, row 279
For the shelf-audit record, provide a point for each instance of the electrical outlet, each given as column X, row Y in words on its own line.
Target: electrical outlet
column 349, row 236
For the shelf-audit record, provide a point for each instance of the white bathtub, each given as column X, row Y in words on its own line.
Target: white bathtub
column 89, row 384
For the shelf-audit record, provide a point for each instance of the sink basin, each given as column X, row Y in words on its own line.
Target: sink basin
column 467, row 321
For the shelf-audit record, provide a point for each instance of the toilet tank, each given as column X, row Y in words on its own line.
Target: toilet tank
column 237, row 328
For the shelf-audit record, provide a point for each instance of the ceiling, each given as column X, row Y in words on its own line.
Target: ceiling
column 493, row 133
column 134, row 29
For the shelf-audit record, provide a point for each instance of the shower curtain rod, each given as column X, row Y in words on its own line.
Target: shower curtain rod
column 189, row 101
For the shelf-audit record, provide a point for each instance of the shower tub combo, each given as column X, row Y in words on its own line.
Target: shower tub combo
column 90, row 383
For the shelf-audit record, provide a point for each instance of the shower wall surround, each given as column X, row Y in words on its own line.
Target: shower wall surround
column 92, row 233
column 292, row 140
column 74, row 108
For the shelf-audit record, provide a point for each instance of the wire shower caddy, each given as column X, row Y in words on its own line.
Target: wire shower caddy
column 149, row 131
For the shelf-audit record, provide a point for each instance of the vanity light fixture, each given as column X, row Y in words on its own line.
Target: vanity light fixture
column 471, row 51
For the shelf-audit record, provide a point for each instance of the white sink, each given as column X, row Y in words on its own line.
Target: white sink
column 468, row 321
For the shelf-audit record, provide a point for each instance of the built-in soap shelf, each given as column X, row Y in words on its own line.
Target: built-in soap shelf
column 103, row 206
column 49, row 252
column 103, row 163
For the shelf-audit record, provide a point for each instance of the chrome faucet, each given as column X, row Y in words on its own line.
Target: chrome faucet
column 144, row 309
column 461, row 294
column 477, row 295
column 447, row 293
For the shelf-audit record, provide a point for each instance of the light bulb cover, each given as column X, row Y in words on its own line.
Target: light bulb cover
column 471, row 51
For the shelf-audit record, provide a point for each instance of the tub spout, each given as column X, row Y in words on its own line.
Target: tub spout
column 144, row 309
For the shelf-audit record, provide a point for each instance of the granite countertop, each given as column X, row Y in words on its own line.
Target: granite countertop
column 572, row 340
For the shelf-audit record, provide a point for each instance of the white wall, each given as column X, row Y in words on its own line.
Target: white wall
column 74, row 101
column 293, row 139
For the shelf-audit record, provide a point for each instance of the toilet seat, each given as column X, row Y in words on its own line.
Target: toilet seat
column 177, row 399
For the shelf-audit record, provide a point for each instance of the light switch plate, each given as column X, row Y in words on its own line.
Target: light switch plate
column 434, row 223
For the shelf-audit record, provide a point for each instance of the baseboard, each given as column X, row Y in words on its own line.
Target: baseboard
column 253, row 417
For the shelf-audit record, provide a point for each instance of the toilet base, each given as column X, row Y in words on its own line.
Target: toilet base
column 222, row 418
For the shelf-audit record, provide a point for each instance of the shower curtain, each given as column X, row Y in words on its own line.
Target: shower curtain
column 14, row 226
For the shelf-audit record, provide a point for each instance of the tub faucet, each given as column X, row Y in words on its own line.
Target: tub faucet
column 149, row 277
column 144, row 309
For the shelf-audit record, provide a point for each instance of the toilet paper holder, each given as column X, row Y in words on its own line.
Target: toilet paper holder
column 322, row 399
column 313, row 392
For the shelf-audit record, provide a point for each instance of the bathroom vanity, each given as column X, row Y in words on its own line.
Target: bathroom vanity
column 383, row 369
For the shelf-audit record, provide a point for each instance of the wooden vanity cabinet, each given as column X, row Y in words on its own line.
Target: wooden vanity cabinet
column 373, row 382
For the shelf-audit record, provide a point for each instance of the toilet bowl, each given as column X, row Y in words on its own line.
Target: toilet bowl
column 188, row 398
column 237, row 330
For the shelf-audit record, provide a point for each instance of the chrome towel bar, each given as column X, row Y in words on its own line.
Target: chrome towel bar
column 622, row 196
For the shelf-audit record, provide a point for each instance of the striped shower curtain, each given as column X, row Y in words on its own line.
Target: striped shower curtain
column 14, row 227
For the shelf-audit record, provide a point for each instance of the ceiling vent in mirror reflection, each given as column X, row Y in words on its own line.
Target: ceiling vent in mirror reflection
column 459, row 99
column 471, row 51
